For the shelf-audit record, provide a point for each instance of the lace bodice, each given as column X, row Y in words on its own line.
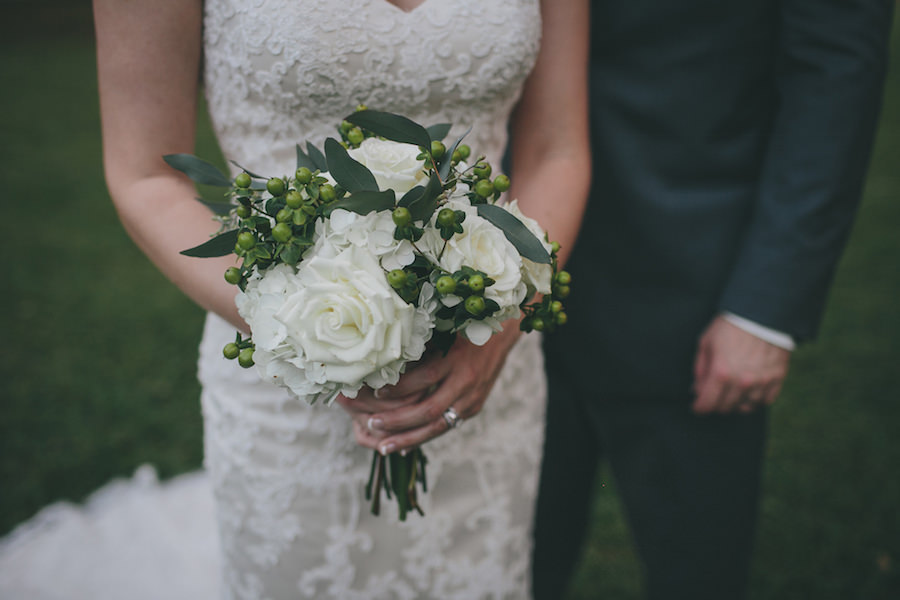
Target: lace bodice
column 279, row 72
column 288, row 477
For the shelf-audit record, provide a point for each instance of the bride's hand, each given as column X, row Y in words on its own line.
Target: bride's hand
column 410, row 413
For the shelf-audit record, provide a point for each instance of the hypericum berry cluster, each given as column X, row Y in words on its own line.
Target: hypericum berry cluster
column 481, row 188
column 469, row 285
column 548, row 314
column 353, row 135
column 240, row 349
column 276, row 220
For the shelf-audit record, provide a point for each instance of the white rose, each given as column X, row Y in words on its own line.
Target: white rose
column 393, row 164
column 484, row 247
column 538, row 276
column 346, row 320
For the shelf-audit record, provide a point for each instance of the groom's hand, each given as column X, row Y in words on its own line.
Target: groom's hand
column 735, row 371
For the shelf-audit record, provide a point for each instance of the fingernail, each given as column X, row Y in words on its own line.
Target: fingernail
column 374, row 423
column 387, row 449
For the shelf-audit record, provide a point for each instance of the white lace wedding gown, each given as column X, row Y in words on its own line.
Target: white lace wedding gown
column 288, row 478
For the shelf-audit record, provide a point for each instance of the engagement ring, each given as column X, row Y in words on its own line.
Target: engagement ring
column 452, row 418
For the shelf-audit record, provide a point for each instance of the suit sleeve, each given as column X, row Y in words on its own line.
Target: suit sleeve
column 830, row 71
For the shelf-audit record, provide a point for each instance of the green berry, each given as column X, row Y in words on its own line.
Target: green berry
column 476, row 283
column 561, row 318
column 303, row 175
column 438, row 150
column 327, row 193
column 556, row 306
column 484, row 188
column 245, row 358
column 501, row 183
column 355, row 136
column 361, row 107
column 282, row 232
column 233, row 275
column 562, row 291
column 474, row 305
column 464, row 151
column 554, row 247
column 275, row 186
column 563, row 278
column 446, row 217
column 401, row 216
column 293, row 199
column 242, row 181
column 482, row 170
column 284, row 215
column 397, row 278
column 537, row 323
column 243, row 211
column 346, row 126
column 455, row 157
column 246, row 240
column 445, row 285
column 231, row 351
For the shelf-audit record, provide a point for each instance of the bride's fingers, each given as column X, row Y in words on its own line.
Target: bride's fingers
column 418, row 380
column 430, row 409
column 369, row 403
column 414, row 437
column 364, row 437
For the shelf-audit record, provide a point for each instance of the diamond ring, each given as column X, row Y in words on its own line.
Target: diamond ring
column 452, row 418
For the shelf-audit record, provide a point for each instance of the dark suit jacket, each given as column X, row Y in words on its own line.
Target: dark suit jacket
column 730, row 141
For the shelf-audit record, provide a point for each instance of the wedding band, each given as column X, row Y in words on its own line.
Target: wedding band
column 452, row 418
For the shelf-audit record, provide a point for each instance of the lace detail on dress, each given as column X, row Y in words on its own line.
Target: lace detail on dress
column 288, row 478
column 282, row 71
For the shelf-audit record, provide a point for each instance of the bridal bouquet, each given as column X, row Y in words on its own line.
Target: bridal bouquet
column 380, row 245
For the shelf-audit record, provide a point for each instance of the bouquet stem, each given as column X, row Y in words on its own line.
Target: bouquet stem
column 400, row 474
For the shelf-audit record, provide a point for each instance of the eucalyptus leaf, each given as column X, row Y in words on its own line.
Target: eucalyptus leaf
column 515, row 231
column 351, row 175
column 421, row 201
column 247, row 171
column 316, row 156
column 197, row 169
column 221, row 245
column 411, row 196
column 364, row 202
column 303, row 160
column 291, row 254
column 446, row 163
column 391, row 126
column 438, row 132
column 221, row 208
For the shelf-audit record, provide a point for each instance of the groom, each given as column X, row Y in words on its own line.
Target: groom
column 730, row 141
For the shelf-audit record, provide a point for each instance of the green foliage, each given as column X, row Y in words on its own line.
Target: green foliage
column 516, row 232
column 393, row 127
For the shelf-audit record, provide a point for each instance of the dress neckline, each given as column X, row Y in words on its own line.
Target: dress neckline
column 403, row 10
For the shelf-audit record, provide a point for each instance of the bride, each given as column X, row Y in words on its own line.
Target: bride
column 287, row 478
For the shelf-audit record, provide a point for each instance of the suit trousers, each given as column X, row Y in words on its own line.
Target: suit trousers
column 689, row 485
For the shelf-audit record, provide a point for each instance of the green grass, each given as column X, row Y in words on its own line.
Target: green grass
column 98, row 351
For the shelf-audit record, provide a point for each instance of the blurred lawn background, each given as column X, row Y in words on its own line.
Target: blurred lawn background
column 98, row 349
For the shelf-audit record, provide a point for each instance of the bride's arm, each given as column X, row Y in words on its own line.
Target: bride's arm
column 551, row 175
column 148, row 62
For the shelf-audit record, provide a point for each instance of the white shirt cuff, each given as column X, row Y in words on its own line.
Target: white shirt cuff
column 774, row 337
